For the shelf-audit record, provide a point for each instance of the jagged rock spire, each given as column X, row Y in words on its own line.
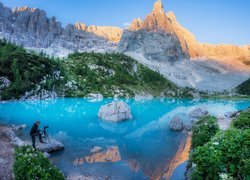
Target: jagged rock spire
column 158, row 7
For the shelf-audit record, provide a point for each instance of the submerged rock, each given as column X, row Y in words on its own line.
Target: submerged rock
column 176, row 124
column 198, row 113
column 115, row 112
column 19, row 127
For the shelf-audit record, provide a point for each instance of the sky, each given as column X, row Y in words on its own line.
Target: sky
column 211, row 21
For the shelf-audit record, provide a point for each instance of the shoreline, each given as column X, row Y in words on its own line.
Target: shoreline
column 6, row 155
column 181, row 156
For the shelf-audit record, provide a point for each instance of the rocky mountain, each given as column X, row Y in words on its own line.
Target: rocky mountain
column 196, row 49
column 27, row 75
column 31, row 28
column 153, row 37
column 158, row 41
column 159, row 21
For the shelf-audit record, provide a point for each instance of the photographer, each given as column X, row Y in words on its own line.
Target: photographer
column 35, row 132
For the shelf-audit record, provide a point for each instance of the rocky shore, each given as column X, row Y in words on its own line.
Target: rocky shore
column 6, row 156
column 9, row 141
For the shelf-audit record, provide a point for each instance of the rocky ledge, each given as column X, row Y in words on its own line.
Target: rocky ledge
column 48, row 146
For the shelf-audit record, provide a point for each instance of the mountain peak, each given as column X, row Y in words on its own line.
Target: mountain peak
column 158, row 7
column 136, row 24
column 25, row 8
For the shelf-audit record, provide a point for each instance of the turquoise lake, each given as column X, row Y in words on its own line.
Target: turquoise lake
column 146, row 144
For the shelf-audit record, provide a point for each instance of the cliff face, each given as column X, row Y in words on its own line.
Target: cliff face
column 32, row 28
column 153, row 37
column 110, row 33
column 196, row 49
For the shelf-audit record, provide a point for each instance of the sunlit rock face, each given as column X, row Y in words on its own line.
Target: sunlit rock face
column 157, row 20
column 136, row 24
column 113, row 34
column 196, row 49
column 110, row 33
column 154, row 37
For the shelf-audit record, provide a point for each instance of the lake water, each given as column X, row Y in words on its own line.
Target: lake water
column 145, row 143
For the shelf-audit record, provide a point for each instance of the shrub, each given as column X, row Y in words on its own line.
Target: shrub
column 227, row 154
column 243, row 120
column 204, row 130
column 30, row 164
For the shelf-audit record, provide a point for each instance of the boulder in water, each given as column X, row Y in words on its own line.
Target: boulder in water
column 115, row 112
column 198, row 113
column 176, row 124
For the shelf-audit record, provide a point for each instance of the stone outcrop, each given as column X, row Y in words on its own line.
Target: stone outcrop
column 115, row 112
column 50, row 146
column 176, row 124
column 11, row 137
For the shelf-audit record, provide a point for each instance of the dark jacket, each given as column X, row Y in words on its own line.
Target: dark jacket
column 34, row 130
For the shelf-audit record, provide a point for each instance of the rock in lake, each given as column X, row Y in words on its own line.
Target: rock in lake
column 115, row 112
column 50, row 146
column 198, row 113
column 176, row 124
column 19, row 127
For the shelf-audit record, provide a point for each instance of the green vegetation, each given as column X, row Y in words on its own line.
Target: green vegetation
column 226, row 155
column 243, row 120
column 79, row 75
column 26, row 71
column 111, row 74
column 30, row 164
column 244, row 88
column 204, row 130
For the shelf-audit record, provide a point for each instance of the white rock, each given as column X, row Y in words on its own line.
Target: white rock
column 198, row 113
column 4, row 82
column 115, row 112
